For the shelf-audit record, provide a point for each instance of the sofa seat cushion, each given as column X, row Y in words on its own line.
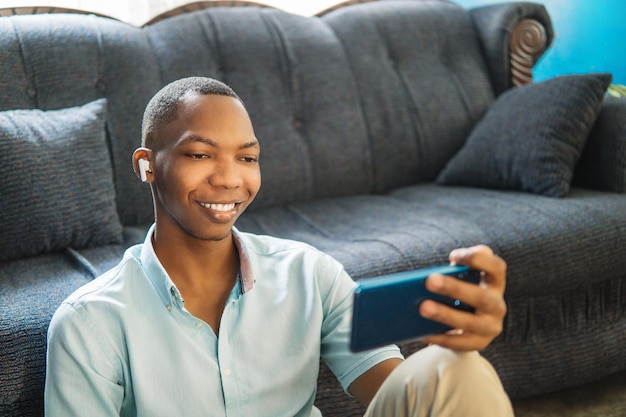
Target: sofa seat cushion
column 30, row 291
column 417, row 226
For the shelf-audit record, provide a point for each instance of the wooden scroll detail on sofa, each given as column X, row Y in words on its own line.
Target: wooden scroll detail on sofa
column 528, row 43
column 200, row 5
column 11, row 11
column 340, row 5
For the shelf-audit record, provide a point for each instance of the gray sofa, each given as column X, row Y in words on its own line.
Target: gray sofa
column 392, row 132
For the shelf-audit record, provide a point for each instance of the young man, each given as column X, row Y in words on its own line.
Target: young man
column 204, row 320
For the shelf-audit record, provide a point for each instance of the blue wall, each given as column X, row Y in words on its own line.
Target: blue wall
column 590, row 36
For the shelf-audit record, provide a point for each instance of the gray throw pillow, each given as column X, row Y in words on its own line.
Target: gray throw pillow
column 56, row 187
column 531, row 137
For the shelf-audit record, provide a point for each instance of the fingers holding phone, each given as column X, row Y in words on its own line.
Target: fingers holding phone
column 473, row 331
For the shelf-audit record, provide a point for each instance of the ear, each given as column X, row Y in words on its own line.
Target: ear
column 142, row 164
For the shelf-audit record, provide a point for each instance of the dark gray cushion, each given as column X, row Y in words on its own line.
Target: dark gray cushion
column 531, row 137
column 57, row 184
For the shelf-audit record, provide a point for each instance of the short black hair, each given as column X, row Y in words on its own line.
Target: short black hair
column 161, row 109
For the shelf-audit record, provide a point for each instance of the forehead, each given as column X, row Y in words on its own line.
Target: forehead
column 215, row 117
column 195, row 104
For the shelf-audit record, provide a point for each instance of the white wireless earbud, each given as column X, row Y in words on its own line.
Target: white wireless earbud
column 144, row 167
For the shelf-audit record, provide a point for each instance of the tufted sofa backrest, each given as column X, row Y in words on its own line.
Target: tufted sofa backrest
column 363, row 99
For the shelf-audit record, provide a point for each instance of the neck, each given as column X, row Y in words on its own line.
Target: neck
column 203, row 271
column 195, row 263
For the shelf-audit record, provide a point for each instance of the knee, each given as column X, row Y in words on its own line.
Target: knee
column 439, row 381
column 444, row 365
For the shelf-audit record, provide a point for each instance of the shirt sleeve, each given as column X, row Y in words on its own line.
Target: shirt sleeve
column 337, row 304
column 81, row 376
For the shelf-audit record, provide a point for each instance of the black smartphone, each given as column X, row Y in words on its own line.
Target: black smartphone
column 385, row 309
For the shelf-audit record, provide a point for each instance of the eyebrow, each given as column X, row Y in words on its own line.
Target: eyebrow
column 212, row 143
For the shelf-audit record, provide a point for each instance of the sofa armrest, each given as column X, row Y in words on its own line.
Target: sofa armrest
column 602, row 165
column 513, row 36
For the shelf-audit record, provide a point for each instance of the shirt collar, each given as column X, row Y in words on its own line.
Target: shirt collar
column 245, row 267
column 164, row 285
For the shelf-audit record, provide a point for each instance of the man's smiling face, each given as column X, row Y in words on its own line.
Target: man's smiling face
column 206, row 168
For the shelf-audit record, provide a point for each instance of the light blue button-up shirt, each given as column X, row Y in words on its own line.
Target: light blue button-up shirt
column 124, row 344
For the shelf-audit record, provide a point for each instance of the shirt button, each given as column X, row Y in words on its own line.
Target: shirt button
column 198, row 324
column 227, row 372
column 169, row 307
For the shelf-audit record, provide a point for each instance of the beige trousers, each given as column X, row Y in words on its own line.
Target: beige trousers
column 438, row 382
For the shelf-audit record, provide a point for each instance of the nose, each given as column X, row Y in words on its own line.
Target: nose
column 226, row 174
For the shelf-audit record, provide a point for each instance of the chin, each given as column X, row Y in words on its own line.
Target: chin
column 216, row 233
column 215, row 236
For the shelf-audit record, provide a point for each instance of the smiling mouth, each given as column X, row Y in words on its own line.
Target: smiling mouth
column 220, row 207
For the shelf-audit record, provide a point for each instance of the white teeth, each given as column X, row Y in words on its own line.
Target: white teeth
column 219, row 207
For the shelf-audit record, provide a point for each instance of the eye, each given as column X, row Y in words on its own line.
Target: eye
column 197, row 155
column 250, row 159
